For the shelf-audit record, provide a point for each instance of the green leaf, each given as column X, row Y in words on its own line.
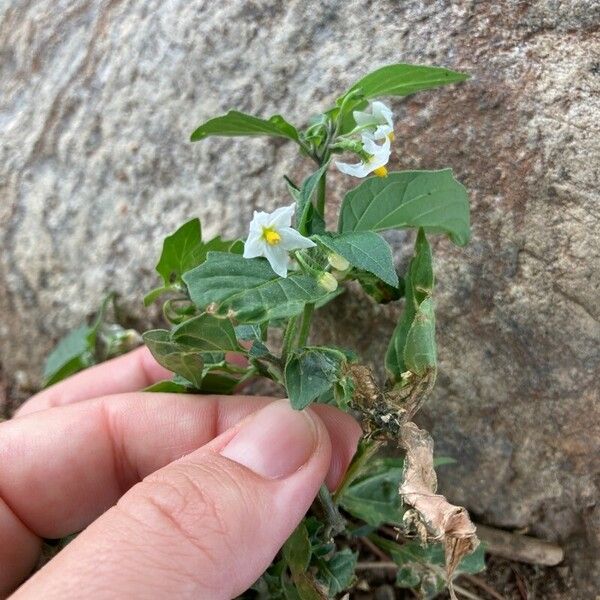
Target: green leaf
column 306, row 588
column 414, row 349
column 403, row 79
column 180, row 251
column 433, row 200
column 73, row 353
column 307, row 219
column 175, row 357
column 206, row 333
column 310, row 372
column 296, row 550
column 168, row 386
column 423, row 567
column 249, row 290
column 249, row 332
column 337, row 572
column 184, row 250
column 420, row 350
column 393, row 80
column 365, row 250
column 378, row 290
column 195, row 350
column 214, row 382
column 236, row 123
column 88, row 345
column 374, row 497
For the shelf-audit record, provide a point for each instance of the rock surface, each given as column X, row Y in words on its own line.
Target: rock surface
column 97, row 100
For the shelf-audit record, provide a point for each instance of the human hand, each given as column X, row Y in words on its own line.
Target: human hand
column 177, row 495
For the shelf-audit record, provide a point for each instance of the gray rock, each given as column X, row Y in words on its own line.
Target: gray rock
column 98, row 100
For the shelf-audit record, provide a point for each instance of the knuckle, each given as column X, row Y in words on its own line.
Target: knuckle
column 193, row 506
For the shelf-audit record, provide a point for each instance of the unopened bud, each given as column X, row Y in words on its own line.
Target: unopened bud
column 338, row 262
column 328, row 281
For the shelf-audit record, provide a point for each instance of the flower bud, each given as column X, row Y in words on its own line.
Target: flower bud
column 328, row 281
column 338, row 262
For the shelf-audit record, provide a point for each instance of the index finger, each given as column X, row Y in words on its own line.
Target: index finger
column 128, row 373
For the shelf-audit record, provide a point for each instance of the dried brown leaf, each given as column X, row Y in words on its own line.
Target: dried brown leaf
column 443, row 522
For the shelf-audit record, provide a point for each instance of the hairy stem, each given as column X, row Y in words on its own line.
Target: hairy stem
column 305, row 326
column 366, row 451
column 288, row 337
column 335, row 523
column 321, row 191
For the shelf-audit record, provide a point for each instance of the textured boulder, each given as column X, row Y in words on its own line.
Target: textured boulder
column 97, row 100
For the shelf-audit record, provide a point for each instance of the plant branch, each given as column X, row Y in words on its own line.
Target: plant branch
column 305, row 326
column 366, row 451
column 321, row 191
column 335, row 523
column 288, row 338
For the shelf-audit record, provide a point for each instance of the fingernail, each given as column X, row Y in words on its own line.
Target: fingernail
column 275, row 442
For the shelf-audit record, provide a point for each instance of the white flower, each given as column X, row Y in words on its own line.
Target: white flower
column 378, row 123
column 271, row 236
column 378, row 157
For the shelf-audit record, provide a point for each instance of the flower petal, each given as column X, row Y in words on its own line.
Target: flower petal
column 278, row 259
column 357, row 170
column 253, row 247
column 363, row 118
column 375, row 149
column 282, row 217
column 292, row 240
column 382, row 113
column 260, row 218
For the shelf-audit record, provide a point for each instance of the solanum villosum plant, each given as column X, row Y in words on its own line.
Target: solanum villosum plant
column 225, row 298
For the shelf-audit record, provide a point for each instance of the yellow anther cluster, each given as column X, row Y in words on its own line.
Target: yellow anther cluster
column 271, row 236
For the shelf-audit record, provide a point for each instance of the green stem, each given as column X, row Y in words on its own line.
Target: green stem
column 305, row 326
column 321, row 195
column 288, row 337
column 335, row 522
column 366, row 450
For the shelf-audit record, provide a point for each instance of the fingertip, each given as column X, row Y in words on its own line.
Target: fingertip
column 344, row 432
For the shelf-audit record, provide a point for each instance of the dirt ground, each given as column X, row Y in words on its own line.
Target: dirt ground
column 502, row 580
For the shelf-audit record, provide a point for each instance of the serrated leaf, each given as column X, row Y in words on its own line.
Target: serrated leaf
column 310, row 372
column 364, row 250
column 206, row 333
column 373, row 497
column 249, row 290
column 433, row 200
column 236, row 123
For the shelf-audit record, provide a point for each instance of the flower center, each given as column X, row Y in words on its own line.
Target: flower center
column 391, row 136
column 271, row 236
column 380, row 172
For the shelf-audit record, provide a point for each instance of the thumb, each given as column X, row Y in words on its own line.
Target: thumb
column 206, row 525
